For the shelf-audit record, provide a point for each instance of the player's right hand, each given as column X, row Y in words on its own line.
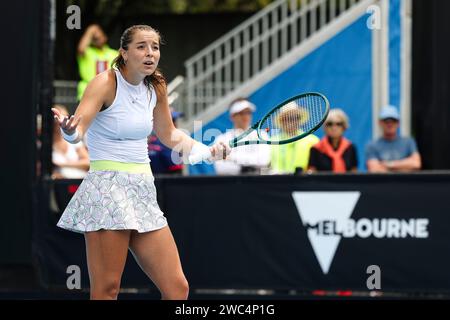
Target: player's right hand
column 67, row 124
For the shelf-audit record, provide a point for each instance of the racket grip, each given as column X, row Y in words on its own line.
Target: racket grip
column 199, row 153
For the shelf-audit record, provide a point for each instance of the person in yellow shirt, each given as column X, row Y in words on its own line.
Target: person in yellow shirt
column 94, row 56
column 292, row 157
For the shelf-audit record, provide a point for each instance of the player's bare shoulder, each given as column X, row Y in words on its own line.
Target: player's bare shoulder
column 103, row 86
column 105, row 80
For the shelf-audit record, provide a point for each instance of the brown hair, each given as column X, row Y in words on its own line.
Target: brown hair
column 156, row 78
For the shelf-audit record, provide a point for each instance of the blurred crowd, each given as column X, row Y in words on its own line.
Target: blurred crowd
column 333, row 153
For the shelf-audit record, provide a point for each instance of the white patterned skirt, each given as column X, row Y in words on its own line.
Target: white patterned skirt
column 114, row 200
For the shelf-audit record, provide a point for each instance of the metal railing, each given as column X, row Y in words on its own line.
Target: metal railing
column 66, row 93
column 176, row 93
column 251, row 47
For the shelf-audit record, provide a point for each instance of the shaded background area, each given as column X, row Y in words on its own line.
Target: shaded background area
column 431, row 82
column 20, row 98
column 183, row 36
column 187, row 26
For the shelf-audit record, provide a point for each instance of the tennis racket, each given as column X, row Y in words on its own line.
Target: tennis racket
column 289, row 121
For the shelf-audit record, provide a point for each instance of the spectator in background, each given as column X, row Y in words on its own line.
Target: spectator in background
column 292, row 157
column 391, row 152
column 164, row 160
column 94, row 56
column 334, row 152
column 71, row 161
column 244, row 159
column 38, row 144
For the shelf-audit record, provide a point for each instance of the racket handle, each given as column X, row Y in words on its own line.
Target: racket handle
column 199, row 153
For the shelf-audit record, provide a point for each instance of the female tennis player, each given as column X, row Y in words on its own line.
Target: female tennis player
column 115, row 206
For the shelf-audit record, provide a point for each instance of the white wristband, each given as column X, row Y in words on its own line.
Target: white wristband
column 70, row 138
column 199, row 152
column 198, row 147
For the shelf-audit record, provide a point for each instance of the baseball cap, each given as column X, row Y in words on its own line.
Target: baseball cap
column 240, row 105
column 389, row 112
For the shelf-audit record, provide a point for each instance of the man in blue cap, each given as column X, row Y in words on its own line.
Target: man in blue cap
column 162, row 159
column 392, row 153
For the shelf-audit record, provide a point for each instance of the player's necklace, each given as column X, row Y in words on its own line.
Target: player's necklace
column 136, row 94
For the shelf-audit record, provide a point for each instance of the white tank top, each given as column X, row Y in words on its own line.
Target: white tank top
column 120, row 132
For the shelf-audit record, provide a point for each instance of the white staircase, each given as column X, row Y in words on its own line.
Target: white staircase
column 256, row 51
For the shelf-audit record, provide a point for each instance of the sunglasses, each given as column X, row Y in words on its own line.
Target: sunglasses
column 331, row 123
column 390, row 120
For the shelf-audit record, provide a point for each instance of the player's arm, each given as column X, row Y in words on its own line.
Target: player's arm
column 163, row 125
column 174, row 138
column 100, row 91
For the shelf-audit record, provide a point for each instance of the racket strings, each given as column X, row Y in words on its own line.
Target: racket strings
column 294, row 118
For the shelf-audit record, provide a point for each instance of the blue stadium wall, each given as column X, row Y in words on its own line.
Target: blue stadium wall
column 341, row 68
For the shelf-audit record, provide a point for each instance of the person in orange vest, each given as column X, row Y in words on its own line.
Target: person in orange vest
column 334, row 152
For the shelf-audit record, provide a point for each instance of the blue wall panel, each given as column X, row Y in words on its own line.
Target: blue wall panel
column 394, row 52
column 341, row 68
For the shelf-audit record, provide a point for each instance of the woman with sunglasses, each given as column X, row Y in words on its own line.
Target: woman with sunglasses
column 334, row 152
